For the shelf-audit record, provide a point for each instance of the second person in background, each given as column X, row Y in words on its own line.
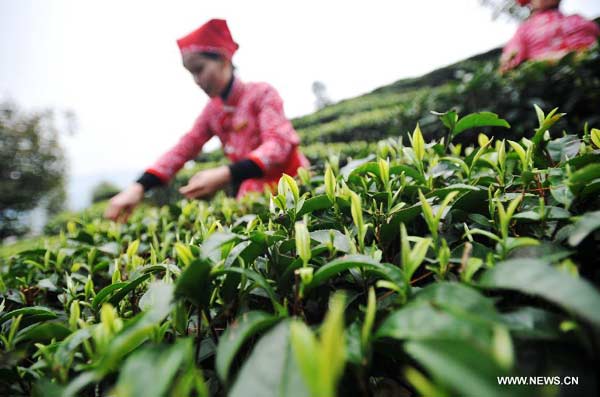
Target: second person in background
column 547, row 34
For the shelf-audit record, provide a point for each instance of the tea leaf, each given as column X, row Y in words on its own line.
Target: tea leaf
column 535, row 277
column 481, row 119
column 595, row 137
column 418, row 143
column 244, row 327
column 271, row 370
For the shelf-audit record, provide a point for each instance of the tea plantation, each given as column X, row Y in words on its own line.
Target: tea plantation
column 426, row 263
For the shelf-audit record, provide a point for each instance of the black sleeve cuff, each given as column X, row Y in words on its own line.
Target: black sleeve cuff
column 149, row 181
column 244, row 169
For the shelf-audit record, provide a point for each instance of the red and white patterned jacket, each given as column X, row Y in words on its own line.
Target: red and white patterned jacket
column 251, row 124
column 548, row 35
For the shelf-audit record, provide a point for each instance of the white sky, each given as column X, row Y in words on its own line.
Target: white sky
column 116, row 65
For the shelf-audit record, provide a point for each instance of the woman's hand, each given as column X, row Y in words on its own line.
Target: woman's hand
column 206, row 182
column 121, row 206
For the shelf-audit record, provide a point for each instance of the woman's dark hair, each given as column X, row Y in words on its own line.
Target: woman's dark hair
column 215, row 56
column 212, row 55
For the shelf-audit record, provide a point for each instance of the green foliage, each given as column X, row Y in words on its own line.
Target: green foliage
column 33, row 243
column 103, row 191
column 32, row 166
column 162, row 365
column 426, row 267
column 321, row 362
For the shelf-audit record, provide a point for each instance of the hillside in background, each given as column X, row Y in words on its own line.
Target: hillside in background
column 397, row 94
column 467, row 86
column 471, row 85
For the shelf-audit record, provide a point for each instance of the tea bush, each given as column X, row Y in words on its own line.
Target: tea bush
column 427, row 268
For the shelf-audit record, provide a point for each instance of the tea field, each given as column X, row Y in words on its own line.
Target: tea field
column 427, row 267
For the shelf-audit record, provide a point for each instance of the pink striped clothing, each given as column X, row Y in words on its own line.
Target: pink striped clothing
column 548, row 35
column 251, row 124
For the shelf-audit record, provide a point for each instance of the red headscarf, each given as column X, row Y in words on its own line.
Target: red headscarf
column 523, row 2
column 213, row 36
